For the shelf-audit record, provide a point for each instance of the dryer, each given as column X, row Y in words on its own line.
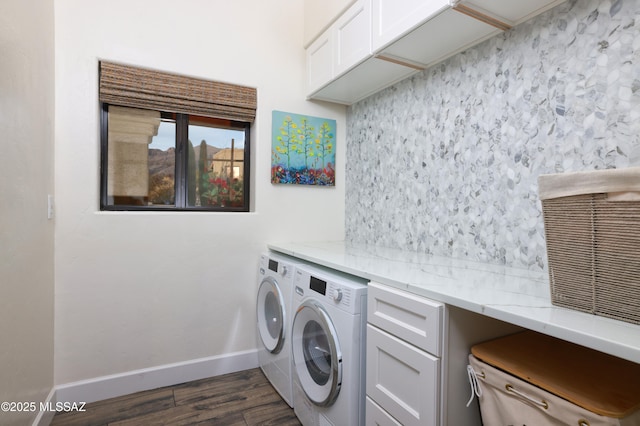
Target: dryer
column 328, row 347
column 274, row 319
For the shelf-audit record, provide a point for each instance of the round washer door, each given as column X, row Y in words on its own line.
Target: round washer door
column 317, row 359
column 270, row 311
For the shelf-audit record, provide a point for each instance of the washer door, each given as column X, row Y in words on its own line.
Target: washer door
column 270, row 311
column 317, row 359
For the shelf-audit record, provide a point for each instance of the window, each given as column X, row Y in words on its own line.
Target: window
column 164, row 147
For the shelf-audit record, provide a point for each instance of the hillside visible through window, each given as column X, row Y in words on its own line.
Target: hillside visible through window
column 175, row 161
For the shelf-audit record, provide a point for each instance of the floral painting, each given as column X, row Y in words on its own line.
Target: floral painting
column 303, row 149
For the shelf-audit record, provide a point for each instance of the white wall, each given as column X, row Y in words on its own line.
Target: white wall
column 138, row 290
column 26, row 177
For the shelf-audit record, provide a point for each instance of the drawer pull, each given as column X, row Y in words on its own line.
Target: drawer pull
column 544, row 404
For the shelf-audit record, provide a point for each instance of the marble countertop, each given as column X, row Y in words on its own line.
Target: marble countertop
column 516, row 296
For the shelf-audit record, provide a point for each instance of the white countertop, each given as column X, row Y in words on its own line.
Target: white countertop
column 516, row 296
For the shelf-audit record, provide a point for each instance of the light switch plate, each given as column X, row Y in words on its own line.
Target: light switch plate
column 49, row 206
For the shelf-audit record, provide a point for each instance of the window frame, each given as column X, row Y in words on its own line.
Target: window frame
column 181, row 167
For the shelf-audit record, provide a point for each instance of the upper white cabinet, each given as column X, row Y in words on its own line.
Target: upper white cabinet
column 319, row 15
column 424, row 33
column 343, row 45
column 320, row 62
column 445, row 33
column 384, row 41
column 508, row 11
column 352, row 36
column 392, row 19
column 361, row 81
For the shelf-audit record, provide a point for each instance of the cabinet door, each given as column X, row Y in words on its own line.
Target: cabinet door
column 436, row 40
column 320, row 62
column 392, row 19
column 376, row 416
column 412, row 318
column 352, row 36
column 319, row 15
column 402, row 379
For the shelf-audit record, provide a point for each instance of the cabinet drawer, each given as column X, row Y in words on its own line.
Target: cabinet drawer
column 403, row 379
column 376, row 416
column 412, row 318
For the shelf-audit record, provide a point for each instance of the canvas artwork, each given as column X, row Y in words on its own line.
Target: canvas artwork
column 303, row 149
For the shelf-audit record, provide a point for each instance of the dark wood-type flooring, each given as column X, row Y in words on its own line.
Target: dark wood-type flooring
column 245, row 398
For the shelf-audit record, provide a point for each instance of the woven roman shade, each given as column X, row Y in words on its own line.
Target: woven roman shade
column 155, row 90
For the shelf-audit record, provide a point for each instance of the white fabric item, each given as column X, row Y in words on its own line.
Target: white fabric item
column 590, row 182
column 476, row 390
column 508, row 400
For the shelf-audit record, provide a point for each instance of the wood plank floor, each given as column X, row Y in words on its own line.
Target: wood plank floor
column 245, row 398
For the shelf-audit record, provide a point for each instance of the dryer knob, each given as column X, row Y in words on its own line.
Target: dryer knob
column 337, row 295
column 284, row 271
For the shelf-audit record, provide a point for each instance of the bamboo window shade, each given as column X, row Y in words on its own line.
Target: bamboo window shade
column 135, row 87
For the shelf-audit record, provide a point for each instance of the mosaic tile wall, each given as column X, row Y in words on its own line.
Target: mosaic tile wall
column 446, row 162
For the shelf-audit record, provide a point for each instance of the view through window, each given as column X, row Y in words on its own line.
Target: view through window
column 174, row 161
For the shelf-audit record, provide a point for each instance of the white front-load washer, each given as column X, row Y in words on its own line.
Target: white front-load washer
column 328, row 347
column 274, row 320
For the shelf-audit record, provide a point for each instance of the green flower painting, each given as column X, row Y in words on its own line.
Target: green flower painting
column 303, row 149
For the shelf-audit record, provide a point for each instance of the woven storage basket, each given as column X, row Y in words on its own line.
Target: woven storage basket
column 592, row 231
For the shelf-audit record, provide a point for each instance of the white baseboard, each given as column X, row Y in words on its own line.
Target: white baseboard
column 121, row 384
column 44, row 418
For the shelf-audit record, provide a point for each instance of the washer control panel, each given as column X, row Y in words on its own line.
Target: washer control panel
column 332, row 290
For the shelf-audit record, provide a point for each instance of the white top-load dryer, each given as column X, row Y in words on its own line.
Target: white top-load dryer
column 328, row 347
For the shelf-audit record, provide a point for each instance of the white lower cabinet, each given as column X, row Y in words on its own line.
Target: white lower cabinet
column 403, row 379
column 417, row 354
column 376, row 416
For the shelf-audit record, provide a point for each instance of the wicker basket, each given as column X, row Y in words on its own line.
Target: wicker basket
column 592, row 230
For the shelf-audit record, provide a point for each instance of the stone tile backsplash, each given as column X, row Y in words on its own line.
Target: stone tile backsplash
column 447, row 161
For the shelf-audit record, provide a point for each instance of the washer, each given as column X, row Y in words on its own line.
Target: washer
column 274, row 320
column 328, row 347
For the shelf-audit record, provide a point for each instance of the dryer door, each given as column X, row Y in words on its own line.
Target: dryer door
column 270, row 309
column 317, row 359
